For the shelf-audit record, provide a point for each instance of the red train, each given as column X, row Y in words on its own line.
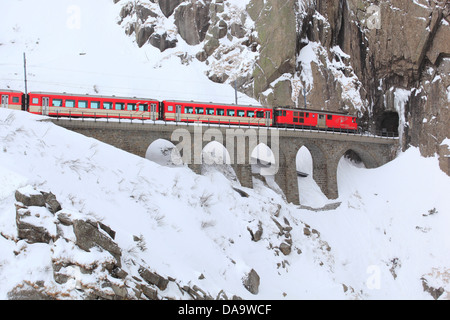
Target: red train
column 75, row 105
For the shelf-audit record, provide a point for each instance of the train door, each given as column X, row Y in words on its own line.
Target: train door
column 153, row 111
column 321, row 121
column 45, row 106
column 267, row 118
column 177, row 113
column 5, row 99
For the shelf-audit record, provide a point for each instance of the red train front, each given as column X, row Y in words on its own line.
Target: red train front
column 313, row 119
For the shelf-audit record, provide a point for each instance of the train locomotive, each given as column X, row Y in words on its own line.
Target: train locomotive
column 96, row 106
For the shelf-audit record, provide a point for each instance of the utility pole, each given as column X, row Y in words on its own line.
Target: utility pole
column 235, row 92
column 25, row 77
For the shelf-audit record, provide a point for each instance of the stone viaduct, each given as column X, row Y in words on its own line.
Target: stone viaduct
column 326, row 148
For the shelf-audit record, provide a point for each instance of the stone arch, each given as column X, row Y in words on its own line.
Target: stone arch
column 304, row 161
column 264, row 166
column 262, row 159
column 362, row 154
column 320, row 167
column 310, row 193
column 286, row 177
column 216, row 158
column 164, row 153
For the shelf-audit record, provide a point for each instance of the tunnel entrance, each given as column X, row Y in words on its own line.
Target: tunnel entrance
column 388, row 123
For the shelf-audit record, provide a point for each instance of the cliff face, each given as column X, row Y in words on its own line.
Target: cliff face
column 386, row 60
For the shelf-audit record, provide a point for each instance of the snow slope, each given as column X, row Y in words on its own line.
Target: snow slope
column 390, row 232
column 193, row 225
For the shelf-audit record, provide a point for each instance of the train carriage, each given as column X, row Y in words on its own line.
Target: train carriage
column 11, row 99
column 189, row 111
column 72, row 105
column 322, row 120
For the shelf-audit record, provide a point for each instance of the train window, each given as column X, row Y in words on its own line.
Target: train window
column 278, row 113
column 70, row 103
column 57, row 103
column 284, row 113
column 199, row 110
column 143, row 107
column 131, row 106
column 295, row 119
column 210, row 111
column 302, row 114
column 169, row 108
column 106, row 105
column 220, row 112
column 307, row 115
column 82, row 104
column 120, row 106
column 301, row 120
column 295, row 113
column 95, row 104
column 321, row 116
column 250, row 114
column 231, row 112
column 35, row 101
column 260, row 114
column 241, row 113
column 15, row 100
column 329, row 117
column 188, row 110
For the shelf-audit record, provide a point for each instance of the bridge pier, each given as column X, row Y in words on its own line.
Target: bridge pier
column 244, row 174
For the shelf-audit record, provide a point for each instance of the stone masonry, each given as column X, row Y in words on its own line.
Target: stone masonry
column 326, row 148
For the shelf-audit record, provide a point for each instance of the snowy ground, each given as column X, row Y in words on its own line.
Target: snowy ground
column 390, row 232
column 393, row 221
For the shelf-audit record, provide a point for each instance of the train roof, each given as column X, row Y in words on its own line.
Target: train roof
column 11, row 91
column 343, row 113
column 90, row 96
column 216, row 104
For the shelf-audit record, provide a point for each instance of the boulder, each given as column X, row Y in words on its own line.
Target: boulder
column 143, row 13
column 88, row 235
column 153, row 278
column 35, row 225
column 29, row 196
column 251, row 282
column 143, row 34
column 285, row 248
column 150, row 293
column 237, row 30
column 52, row 204
column 168, row 6
column 26, row 291
column 192, row 21
column 162, row 42
column 256, row 236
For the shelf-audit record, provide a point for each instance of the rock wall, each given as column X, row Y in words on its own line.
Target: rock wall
column 387, row 61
